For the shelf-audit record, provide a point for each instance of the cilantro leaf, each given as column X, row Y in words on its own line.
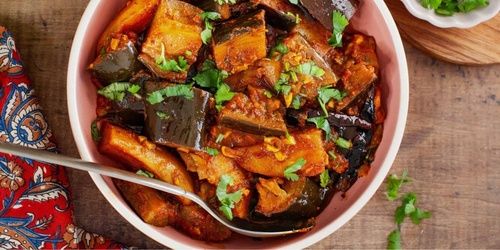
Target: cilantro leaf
column 290, row 171
column 394, row 240
column 94, row 131
column 431, row 4
column 145, row 173
column 280, row 47
column 115, row 91
column 340, row 22
column 210, row 76
column 207, row 17
column 322, row 123
column 158, row 96
column 324, row 178
column 311, row 69
column 325, row 94
column 223, row 94
column 418, row 215
column 170, row 64
column 221, row 2
column 162, row 115
column 227, row 200
column 211, row 151
column 399, row 215
column 282, row 85
column 296, row 102
column 343, row 143
column 394, row 183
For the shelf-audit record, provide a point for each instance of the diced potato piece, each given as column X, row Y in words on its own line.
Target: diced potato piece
column 361, row 68
column 264, row 73
column 235, row 138
column 176, row 27
column 240, row 42
column 134, row 17
column 212, row 168
column 148, row 203
column 275, row 155
column 254, row 113
column 138, row 153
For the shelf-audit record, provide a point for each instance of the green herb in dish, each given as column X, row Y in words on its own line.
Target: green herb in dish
column 227, row 200
column 450, row 7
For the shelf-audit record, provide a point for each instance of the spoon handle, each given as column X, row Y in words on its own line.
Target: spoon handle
column 57, row 159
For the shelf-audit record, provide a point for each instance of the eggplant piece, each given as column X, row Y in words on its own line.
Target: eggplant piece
column 240, row 42
column 134, row 17
column 272, row 157
column 264, row 74
column 312, row 30
column 335, row 119
column 294, row 200
column 212, row 168
column 243, row 114
column 174, row 33
column 178, row 122
column 138, row 153
column 322, row 9
column 128, row 112
column 361, row 70
column 210, row 5
column 117, row 63
column 148, row 203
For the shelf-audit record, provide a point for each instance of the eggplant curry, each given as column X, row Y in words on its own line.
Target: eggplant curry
column 254, row 105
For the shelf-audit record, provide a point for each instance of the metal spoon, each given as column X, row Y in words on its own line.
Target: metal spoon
column 241, row 227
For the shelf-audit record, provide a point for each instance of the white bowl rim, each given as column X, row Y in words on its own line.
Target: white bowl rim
column 458, row 20
column 132, row 218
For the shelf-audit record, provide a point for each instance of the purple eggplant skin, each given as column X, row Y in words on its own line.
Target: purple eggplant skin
column 335, row 119
column 178, row 122
column 322, row 9
column 117, row 65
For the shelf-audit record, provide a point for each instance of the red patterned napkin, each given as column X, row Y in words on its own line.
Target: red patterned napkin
column 35, row 207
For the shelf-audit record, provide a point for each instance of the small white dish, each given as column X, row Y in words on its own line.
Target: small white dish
column 458, row 20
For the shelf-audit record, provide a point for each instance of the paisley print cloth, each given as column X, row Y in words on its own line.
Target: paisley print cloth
column 35, row 208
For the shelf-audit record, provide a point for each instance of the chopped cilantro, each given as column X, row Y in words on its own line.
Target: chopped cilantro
column 325, row 94
column 162, row 115
column 221, row 2
column 290, row 171
column 268, row 93
column 207, row 17
column 223, row 94
column 211, row 151
column 210, row 76
column 280, row 47
column 324, row 178
column 343, row 143
column 296, row 102
column 323, row 124
column 94, row 131
column 450, row 7
column 407, row 208
column 394, row 183
column 282, row 85
column 170, row 64
column 227, row 200
column 158, row 96
column 394, row 240
column 145, row 173
column 339, row 23
column 219, row 139
column 296, row 2
column 116, row 91
column 310, row 68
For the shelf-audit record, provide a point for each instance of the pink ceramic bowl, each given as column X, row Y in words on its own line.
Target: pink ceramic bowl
column 373, row 18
